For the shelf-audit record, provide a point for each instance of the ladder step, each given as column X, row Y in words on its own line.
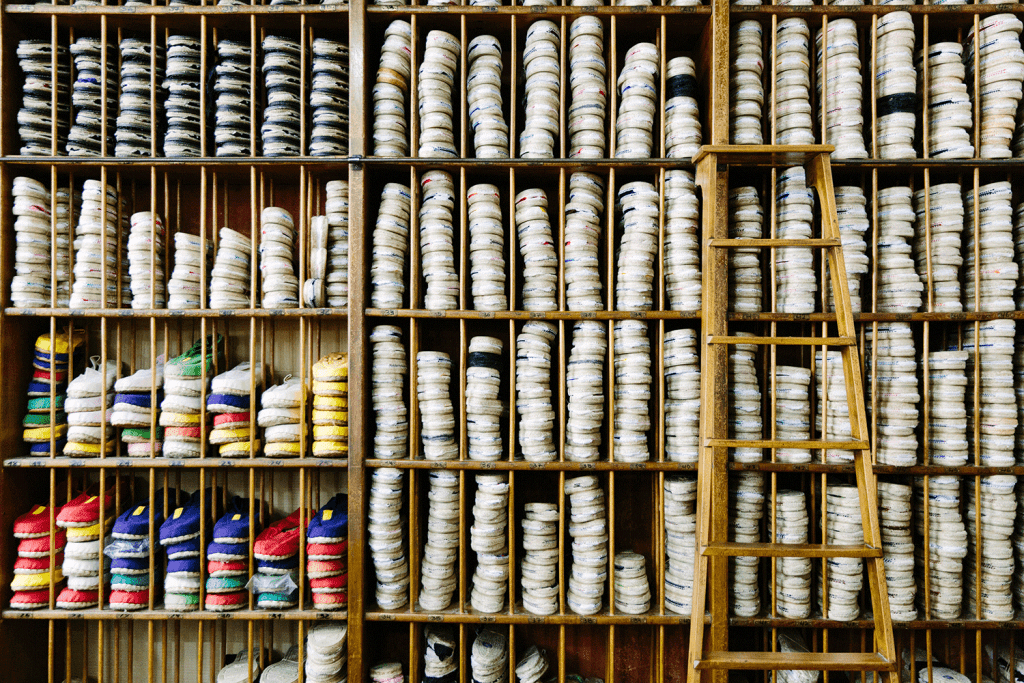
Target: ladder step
column 772, row 156
column 784, row 443
column 784, row 341
column 789, row 550
column 803, row 661
column 764, row 243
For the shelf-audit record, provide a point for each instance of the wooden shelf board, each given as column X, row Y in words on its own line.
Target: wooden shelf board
column 160, row 10
column 531, row 315
column 162, row 313
column 176, row 463
column 94, row 614
column 559, row 10
column 506, row 465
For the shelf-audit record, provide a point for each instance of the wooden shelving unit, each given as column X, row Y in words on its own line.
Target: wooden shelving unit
column 199, row 195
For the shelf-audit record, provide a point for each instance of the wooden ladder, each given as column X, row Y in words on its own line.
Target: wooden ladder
column 709, row 635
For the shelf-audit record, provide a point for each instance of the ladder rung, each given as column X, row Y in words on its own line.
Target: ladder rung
column 773, row 156
column 789, row 550
column 764, row 243
column 784, row 341
column 784, row 443
column 803, row 661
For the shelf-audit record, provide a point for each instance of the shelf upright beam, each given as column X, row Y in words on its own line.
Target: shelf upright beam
column 358, row 365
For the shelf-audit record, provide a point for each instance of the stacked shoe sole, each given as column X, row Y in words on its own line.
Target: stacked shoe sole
column 387, row 539
column 146, row 260
column 844, row 579
column 588, row 529
column 682, row 396
column 90, row 96
column 584, row 386
column 680, row 541
column 539, row 566
column 682, row 123
column 185, row 288
column 632, row 418
column 632, row 589
column 41, row 246
column 228, row 560
column 946, row 547
column 587, row 73
column 134, row 410
column 581, row 237
column 537, row 247
column 141, row 111
column 543, row 75
column 744, row 402
column 483, row 95
column 993, row 351
column 327, row 653
column 746, row 508
column 488, row 658
column 795, row 279
column 336, row 206
column 230, row 401
column 390, row 366
column 639, row 207
column 390, row 246
column 792, row 574
column 390, row 92
column 327, row 555
column 950, row 112
column 35, row 118
column 88, row 397
column 638, row 99
column 34, row 567
column 330, row 406
column 231, row 275
column 937, row 244
column 436, row 86
column 437, row 412
column 892, row 376
column 438, row 580
column 894, row 518
column 947, row 408
column 329, row 100
column 235, row 112
column 84, row 560
column 534, row 405
column 681, row 263
column 282, row 77
column 486, row 248
column 281, row 417
column 98, row 248
column 899, row 285
column 1001, row 64
column 437, row 241
column 792, row 96
column 280, row 285
column 182, row 83
column 843, row 91
column 746, row 89
column 851, row 210
column 895, row 86
column 746, row 221
column 484, row 407
column 488, row 538
column 990, row 278
column 989, row 592
column 792, row 399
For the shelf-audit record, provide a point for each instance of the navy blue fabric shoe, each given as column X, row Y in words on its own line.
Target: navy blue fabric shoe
column 185, row 549
column 130, row 565
column 233, row 527
column 278, row 566
column 133, row 524
column 186, row 567
column 226, row 403
column 330, row 524
column 226, row 552
column 183, row 523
